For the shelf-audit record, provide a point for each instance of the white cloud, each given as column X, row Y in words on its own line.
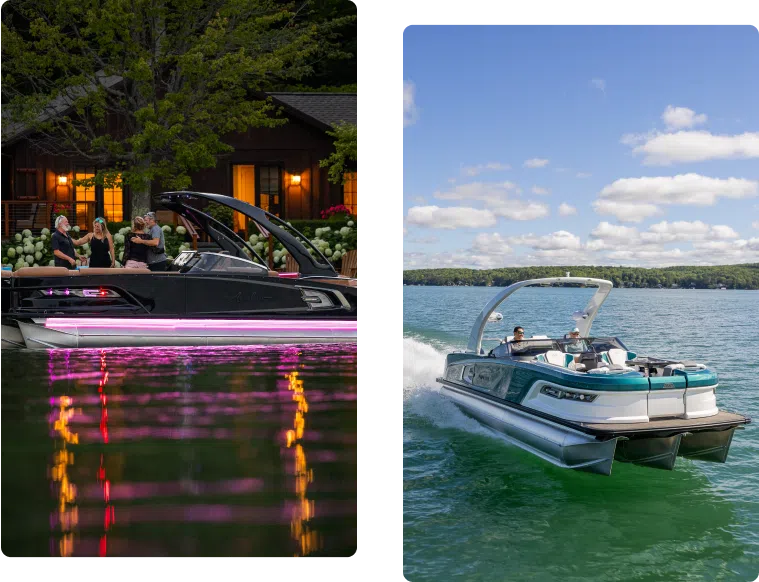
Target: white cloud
column 490, row 192
column 615, row 232
column 625, row 211
column 490, row 244
column 480, row 168
column 583, row 175
column 561, row 239
column 665, row 232
column 450, row 218
column 410, row 110
column 681, row 118
column 518, row 210
column 418, row 199
column 540, row 191
column 663, row 149
column 535, row 163
column 495, row 195
column 424, row 240
column 681, row 189
column 755, row 224
column 566, row 210
column 599, row 84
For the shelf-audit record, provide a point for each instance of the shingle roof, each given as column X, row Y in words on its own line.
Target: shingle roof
column 325, row 109
column 58, row 106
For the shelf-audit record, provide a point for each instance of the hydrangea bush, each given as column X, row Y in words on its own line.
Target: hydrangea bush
column 334, row 239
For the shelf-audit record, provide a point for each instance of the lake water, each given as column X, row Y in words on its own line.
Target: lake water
column 230, row 451
column 477, row 508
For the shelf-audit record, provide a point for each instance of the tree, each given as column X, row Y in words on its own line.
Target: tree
column 345, row 154
column 149, row 88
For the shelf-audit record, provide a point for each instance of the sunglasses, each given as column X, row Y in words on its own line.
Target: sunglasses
column 518, row 333
column 100, row 220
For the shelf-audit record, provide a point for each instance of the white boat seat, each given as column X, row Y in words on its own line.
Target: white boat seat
column 669, row 370
column 611, row 369
column 617, row 356
column 558, row 358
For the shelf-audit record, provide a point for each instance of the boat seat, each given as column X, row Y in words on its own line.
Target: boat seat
column 44, row 272
column 670, row 369
column 7, row 273
column 339, row 281
column 611, row 369
column 558, row 358
column 617, row 356
column 114, row 271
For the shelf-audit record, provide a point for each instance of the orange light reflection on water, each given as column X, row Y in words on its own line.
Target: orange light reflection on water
column 308, row 539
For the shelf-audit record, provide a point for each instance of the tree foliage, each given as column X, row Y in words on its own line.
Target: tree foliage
column 744, row 276
column 344, row 157
column 150, row 88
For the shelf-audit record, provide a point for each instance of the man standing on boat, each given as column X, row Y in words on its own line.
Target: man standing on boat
column 63, row 246
column 157, row 254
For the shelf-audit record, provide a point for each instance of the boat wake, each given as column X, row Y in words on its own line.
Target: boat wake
column 422, row 364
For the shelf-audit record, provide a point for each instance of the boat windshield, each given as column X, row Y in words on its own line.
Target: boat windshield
column 195, row 262
column 535, row 347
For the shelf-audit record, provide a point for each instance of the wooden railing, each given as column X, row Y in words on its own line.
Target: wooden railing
column 35, row 215
column 190, row 230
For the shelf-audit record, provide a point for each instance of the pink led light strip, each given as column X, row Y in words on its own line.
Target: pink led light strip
column 200, row 324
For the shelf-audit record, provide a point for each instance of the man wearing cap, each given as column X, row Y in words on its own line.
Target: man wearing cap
column 576, row 345
column 157, row 256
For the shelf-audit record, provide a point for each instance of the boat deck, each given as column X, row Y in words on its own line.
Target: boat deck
column 722, row 419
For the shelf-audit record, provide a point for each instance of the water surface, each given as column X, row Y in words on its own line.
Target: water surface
column 478, row 508
column 228, row 451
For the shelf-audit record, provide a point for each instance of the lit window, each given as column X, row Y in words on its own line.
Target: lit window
column 113, row 203
column 268, row 193
column 350, row 196
column 85, row 213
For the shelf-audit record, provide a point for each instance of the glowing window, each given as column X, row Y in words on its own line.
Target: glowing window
column 350, row 195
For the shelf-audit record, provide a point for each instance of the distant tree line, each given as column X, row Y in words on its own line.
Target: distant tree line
column 744, row 276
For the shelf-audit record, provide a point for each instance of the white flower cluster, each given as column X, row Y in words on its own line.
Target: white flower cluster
column 181, row 230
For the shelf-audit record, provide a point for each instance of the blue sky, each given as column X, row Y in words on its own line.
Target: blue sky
column 643, row 141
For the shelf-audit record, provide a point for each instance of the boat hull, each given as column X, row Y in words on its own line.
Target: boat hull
column 554, row 443
column 594, row 447
column 68, row 333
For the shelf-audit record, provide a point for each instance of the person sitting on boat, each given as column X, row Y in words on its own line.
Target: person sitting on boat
column 63, row 244
column 516, row 342
column 577, row 344
column 136, row 255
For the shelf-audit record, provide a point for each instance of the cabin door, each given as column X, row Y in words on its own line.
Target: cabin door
column 243, row 188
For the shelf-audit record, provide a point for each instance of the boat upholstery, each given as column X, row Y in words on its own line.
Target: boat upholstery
column 617, row 356
column 338, row 281
column 7, row 273
column 114, row 271
column 558, row 358
column 669, row 370
column 44, row 272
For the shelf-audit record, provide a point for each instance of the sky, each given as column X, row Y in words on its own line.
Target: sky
column 578, row 145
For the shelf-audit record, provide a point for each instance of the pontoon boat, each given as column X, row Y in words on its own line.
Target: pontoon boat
column 221, row 297
column 582, row 402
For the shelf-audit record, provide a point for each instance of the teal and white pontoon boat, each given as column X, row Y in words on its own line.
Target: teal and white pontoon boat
column 582, row 402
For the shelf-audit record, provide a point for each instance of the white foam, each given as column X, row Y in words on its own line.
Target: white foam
column 422, row 364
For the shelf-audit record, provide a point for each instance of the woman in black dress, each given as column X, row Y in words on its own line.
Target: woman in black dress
column 101, row 245
column 136, row 256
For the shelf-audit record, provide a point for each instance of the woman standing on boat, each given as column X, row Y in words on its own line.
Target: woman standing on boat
column 136, row 255
column 101, row 245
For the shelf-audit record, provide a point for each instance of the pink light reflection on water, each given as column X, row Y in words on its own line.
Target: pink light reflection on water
column 137, row 324
column 134, row 491
column 211, row 513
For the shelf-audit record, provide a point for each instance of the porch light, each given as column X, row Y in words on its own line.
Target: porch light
column 295, row 179
column 63, row 179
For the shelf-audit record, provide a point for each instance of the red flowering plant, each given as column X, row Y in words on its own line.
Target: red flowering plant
column 339, row 211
